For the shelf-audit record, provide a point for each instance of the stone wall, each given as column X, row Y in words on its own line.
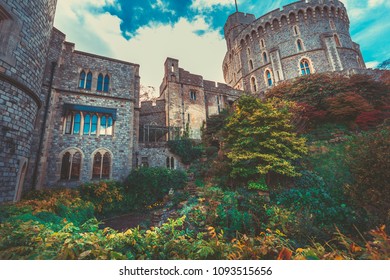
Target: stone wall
column 157, row 155
column 25, row 30
column 315, row 30
column 190, row 100
column 122, row 97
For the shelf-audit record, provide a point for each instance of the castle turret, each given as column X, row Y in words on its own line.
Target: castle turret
column 25, row 29
column 302, row 38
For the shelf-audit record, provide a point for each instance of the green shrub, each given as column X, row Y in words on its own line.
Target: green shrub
column 309, row 179
column 317, row 211
column 106, row 196
column 369, row 160
column 185, row 149
column 148, row 185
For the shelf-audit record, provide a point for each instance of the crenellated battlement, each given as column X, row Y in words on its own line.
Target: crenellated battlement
column 296, row 29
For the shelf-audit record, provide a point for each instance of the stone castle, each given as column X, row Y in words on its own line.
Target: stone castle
column 304, row 37
column 69, row 117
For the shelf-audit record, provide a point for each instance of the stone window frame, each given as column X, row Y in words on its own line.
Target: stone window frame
column 269, row 81
column 250, row 64
column 170, row 162
column 262, row 43
column 10, row 30
column 311, row 66
column 85, row 79
column 296, row 31
column 253, row 84
column 69, row 120
column 103, row 82
column 72, row 151
column 300, row 45
column 103, row 151
column 264, row 56
column 193, row 95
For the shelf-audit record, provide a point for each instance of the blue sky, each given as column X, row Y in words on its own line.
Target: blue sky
column 148, row 31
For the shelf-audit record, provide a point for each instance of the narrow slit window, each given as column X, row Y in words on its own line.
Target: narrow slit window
column 76, row 123
column 106, row 83
column 103, row 125
column 299, row 45
column 82, row 80
column 100, row 82
column 87, row 124
column 68, row 124
column 94, row 125
column 265, row 57
column 88, row 84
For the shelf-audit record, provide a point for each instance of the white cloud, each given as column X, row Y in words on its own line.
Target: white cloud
column 372, row 64
column 149, row 47
column 375, row 3
column 199, row 4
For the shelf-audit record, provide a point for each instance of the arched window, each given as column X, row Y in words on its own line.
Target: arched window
column 87, row 124
column 299, row 45
column 76, row 123
column 305, row 67
column 101, row 168
column 97, row 166
column 337, row 40
column 250, row 64
column 88, row 84
column 262, row 43
column 253, row 83
column 71, row 165
column 103, row 125
column 94, row 125
column 249, row 51
column 265, row 57
column 100, row 82
column 268, row 77
column 296, row 30
column 82, row 79
column 106, row 83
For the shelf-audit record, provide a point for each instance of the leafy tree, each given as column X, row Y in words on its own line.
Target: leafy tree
column 347, row 106
column 311, row 89
column 186, row 149
column 211, row 133
column 369, row 161
column 261, row 139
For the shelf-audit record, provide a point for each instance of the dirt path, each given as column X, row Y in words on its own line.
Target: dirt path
column 124, row 222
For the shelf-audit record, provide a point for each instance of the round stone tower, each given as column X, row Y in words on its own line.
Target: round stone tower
column 304, row 37
column 25, row 29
